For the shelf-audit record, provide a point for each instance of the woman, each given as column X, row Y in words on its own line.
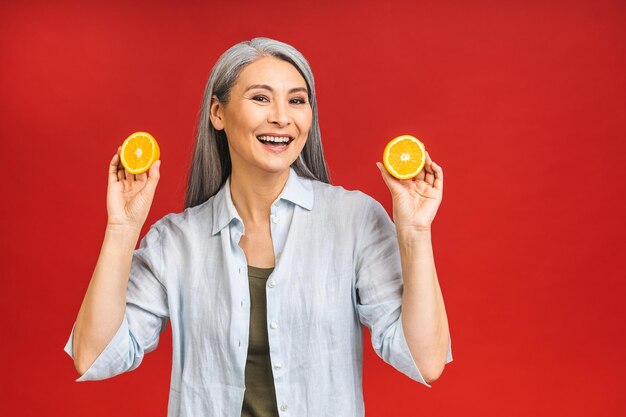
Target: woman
column 269, row 272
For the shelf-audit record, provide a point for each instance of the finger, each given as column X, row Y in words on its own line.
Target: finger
column 428, row 169
column 387, row 178
column 438, row 177
column 113, row 168
column 143, row 177
column 128, row 175
column 421, row 176
column 121, row 172
column 428, row 166
column 429, row 177
column 383, row 171
column 154, row 174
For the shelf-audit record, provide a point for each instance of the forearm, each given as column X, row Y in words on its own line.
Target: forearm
column 424, row 319
column 104, row 304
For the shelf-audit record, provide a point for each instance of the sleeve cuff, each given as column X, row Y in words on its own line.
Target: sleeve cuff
column 111, row 361
column 404, row 361
column 449, row 356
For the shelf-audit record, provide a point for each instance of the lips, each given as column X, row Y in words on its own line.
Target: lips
column 275, row 140
column 275, row 144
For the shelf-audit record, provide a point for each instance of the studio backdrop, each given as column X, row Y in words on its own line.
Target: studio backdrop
column 521, row 103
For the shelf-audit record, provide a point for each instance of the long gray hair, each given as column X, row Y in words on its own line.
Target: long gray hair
column 211, row 164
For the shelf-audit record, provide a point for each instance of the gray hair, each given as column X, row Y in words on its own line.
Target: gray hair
column 211, row 165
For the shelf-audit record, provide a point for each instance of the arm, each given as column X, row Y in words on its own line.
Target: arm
column 424, row 320
column 380, row 291
column 424, row 317
column 104, row 304
column 102, row 313
column 144, row 318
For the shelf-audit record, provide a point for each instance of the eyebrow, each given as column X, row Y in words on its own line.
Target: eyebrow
column 267, row 87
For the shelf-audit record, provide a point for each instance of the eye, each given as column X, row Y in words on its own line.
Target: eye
column 299, row 101
column 259, row 97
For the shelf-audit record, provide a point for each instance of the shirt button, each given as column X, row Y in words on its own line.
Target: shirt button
column 283, row 407
column 278, row 365
column 271, row 283
column 275, row 219
column 278, row 255
column 276, row 204
column 240, row 270
column 273, row 325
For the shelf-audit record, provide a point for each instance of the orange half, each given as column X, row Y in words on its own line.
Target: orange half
column 404, row 157
column 139, row 151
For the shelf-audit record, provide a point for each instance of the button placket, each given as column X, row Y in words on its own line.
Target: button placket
column 276, row 217
column 236, row 232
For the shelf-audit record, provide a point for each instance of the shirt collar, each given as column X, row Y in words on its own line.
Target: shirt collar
column 296, row 190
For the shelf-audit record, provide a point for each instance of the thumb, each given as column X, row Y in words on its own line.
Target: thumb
column 391, row 182
column 383, row 172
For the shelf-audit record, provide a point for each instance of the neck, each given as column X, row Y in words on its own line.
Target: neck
column 253, row 195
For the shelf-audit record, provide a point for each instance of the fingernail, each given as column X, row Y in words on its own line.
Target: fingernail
column 157, row 165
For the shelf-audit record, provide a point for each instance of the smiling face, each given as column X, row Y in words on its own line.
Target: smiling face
column 267, row 118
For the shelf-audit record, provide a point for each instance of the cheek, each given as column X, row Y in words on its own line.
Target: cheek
column 305, row 120
column 250, row 115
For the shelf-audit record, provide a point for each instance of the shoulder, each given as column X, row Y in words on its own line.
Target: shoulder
column 197, row 218
column 338, row 197
column 347, row 211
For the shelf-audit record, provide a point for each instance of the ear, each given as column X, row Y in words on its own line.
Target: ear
column 216, row 113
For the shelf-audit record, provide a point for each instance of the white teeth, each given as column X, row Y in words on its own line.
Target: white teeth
column 274, row 139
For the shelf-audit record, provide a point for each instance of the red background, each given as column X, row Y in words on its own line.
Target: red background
column 522, row 104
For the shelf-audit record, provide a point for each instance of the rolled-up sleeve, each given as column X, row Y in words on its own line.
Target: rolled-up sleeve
column 379, row 291
column 146, row 314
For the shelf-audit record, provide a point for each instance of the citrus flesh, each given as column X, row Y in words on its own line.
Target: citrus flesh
column 404, row 157
column 139, row 151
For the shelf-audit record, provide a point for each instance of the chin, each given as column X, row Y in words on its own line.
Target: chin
column 276, row 168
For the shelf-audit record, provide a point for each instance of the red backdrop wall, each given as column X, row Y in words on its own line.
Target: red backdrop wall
column 521, row 103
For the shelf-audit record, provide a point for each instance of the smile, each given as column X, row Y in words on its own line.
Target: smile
column 275, row 141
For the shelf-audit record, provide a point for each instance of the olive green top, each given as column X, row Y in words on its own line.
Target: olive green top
column 259, row 397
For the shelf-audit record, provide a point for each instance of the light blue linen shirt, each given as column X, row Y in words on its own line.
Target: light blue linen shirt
column 337, row 267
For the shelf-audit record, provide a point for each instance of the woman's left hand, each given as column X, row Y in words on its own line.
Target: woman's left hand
column 416, row 200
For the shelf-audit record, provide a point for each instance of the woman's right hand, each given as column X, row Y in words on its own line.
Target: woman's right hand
column 129, row 196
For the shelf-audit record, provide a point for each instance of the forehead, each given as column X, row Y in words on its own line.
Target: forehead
column 271, row 71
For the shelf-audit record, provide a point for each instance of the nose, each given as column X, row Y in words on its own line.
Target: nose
column 279, row 114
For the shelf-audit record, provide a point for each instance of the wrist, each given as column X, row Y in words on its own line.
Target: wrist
column 121, row 230
column 413, row 233
column 120, row 240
